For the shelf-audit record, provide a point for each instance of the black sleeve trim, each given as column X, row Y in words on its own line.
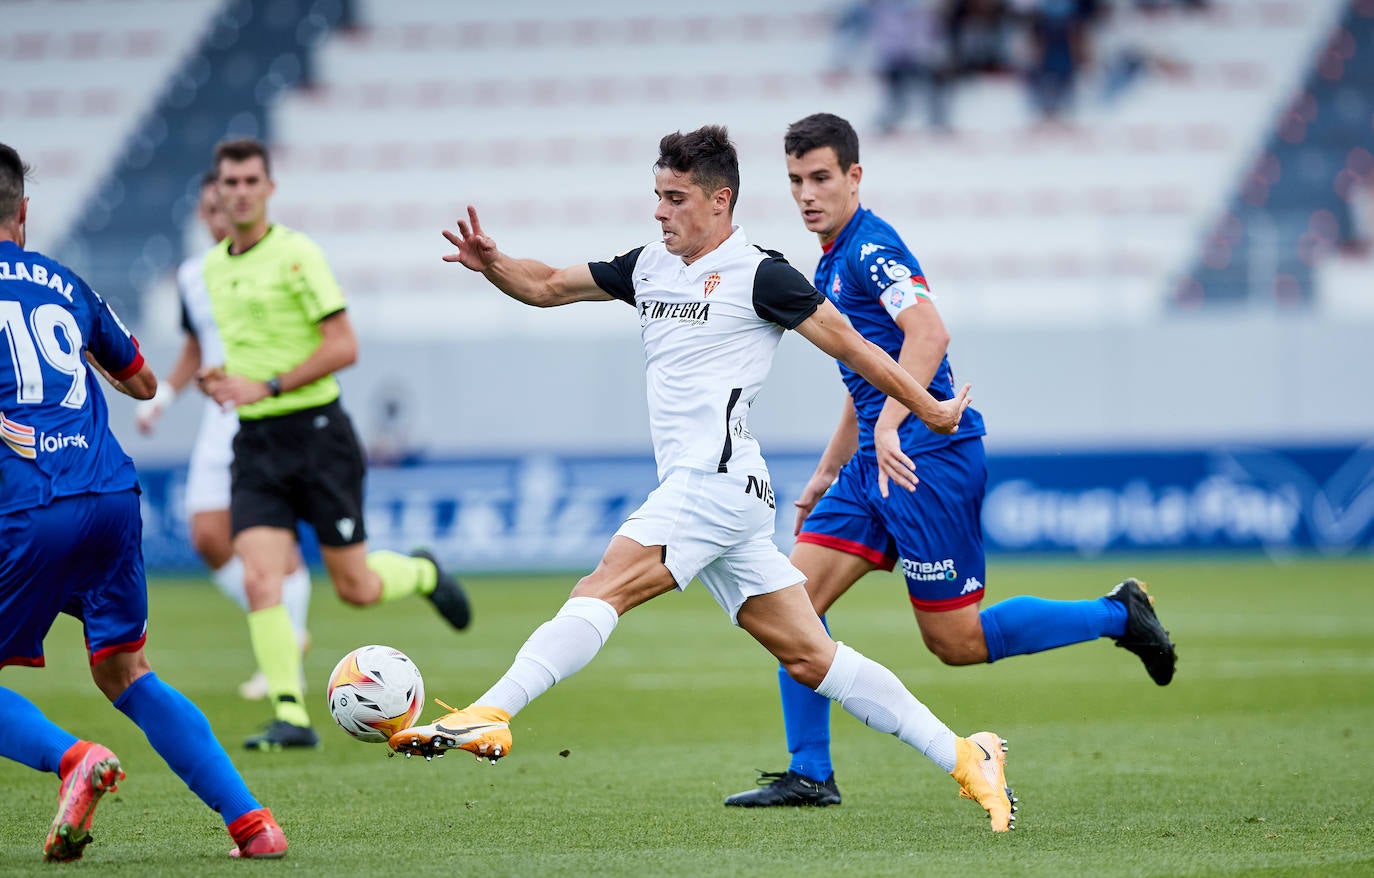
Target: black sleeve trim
column 617, row 277
column 782, row 295
column 186, row 323
column 331, row 314
column 728, row 448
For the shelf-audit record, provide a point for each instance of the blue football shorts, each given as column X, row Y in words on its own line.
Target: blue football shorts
column 82, row 556
column 936, row 531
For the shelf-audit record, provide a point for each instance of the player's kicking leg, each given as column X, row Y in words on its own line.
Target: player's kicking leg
column 483, row 731
column 629, row 574
column 785, row 623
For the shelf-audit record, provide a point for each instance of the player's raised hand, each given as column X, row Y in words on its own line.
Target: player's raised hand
column 893, row 463
column 951, row 411
column 476, row 249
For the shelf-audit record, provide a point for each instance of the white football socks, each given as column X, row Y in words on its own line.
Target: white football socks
column 873, row 695
column 555, row 651
column 295, row 595
column 229, row 579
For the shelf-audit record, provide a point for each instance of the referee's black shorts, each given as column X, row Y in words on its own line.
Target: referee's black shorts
column 304, row 466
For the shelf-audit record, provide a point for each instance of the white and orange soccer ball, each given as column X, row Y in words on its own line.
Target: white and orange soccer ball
column 374, row 692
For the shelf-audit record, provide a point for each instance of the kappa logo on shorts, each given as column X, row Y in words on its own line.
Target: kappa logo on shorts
column 345, row 528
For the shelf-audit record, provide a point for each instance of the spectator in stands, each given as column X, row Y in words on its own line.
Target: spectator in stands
column 979, row 33
column 849, row 30
column 1058, row 31
column 910, row 43
column 1130, row 51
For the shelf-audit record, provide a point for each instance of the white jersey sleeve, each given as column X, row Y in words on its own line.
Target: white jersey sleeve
column 196, row 317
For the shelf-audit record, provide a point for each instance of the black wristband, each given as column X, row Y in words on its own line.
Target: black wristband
column 274, row 385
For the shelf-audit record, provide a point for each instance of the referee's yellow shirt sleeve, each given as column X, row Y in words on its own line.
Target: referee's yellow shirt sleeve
column 319, row 292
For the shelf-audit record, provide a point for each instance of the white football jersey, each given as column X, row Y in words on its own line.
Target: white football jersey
column 709, row 331
column 196, row 317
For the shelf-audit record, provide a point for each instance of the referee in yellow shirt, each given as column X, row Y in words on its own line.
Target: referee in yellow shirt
column 286, row 332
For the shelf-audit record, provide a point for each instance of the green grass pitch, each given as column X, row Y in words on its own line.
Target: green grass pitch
column 1252, row 763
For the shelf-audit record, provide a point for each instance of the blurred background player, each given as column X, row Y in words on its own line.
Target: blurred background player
column 849, row 523
column 207, row 477
column 285, row 333
column 712, row 309
column 72, row 530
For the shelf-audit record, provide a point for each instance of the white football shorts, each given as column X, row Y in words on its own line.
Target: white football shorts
column 207, row 476
column 717, row 527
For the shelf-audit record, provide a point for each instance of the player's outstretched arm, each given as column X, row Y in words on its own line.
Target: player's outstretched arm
column 828, row 330
column 140, row 385
column 525, row 280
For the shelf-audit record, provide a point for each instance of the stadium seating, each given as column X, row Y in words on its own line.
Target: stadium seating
column 547, row 117
column 81, row 73
column 1296, row 208
column 420, row 111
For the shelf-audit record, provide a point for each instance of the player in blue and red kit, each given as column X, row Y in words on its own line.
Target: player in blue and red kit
column 72, row 543
column 850, row 522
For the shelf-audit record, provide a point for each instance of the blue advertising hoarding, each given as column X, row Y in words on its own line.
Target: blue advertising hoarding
column 547, row 511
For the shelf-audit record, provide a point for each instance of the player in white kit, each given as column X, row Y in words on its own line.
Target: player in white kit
column 207, row 476
column 712, row 308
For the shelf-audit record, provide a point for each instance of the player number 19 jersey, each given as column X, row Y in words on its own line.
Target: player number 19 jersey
column 55, row 439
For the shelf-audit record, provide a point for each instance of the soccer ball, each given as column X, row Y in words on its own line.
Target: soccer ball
column 374, row 692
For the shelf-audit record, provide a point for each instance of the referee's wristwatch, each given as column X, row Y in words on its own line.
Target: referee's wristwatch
column 274, row 386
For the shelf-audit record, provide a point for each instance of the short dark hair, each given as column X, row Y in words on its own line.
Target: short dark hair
column 13, row 173
column 821, row 130
column 241, row 150
column 208, row 178
column 707, row 154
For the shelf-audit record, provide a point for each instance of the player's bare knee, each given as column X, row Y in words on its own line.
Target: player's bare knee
column 358, row 589
column 117, row 672
column 958, row 652
column 806, row 670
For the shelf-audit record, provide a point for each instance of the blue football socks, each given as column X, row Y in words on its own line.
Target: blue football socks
column 181, row 735
column 29, row 737
column 806, row 717
column 1023, row 624
column 1017, row 626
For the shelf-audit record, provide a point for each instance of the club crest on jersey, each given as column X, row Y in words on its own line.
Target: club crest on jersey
column 712, row 281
